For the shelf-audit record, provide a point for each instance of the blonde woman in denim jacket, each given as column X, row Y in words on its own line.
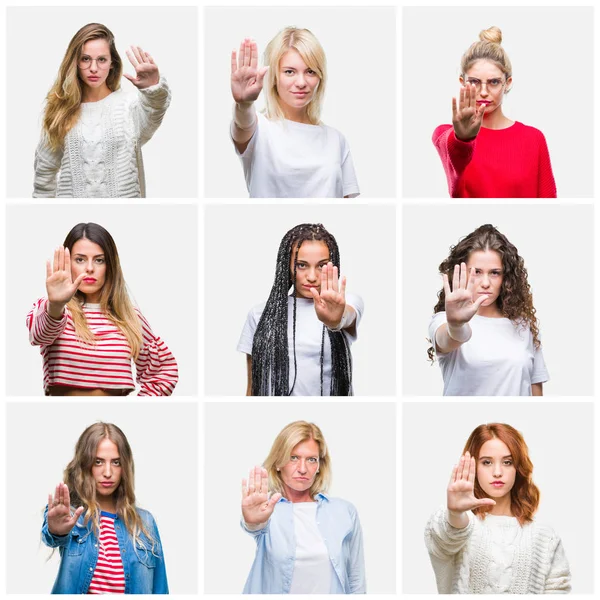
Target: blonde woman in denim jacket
column 306, row 541
column 106, row 543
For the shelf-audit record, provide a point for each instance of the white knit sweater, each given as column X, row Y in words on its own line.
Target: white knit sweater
column 496, row 555
column 102, row 156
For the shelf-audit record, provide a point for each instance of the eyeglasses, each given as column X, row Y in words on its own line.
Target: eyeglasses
column 490, row 84
column 102, row 62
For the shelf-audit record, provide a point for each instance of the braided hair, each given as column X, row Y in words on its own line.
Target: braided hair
column 270, row 359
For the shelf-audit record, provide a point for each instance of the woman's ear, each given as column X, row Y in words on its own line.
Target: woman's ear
column 508, row 85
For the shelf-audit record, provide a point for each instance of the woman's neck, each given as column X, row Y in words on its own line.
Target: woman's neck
column 496, row 120
column 295, row 496
column 491, row 312
column 107, row 504
column 503, row 507
column 95, row 94
column 298, row 115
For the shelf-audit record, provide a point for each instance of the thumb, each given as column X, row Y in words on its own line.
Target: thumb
column 274, row 499
column 314, row 294
column 79, row 279
column 479, row 302
column 129, row 77
column 261, row 75
column 485, row 502
column 76, row 516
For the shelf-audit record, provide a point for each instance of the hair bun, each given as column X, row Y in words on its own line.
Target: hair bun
column 493, row 35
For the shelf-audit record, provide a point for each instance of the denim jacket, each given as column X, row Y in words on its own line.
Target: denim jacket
column 144, row 568
column 273, row 566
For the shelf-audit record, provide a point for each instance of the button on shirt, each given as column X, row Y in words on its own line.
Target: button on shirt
column 276, row 548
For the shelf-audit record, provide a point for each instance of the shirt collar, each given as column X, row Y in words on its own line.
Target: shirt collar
column 319, row 497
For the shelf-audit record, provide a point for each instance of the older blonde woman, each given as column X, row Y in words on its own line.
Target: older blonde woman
column 306, row 542
column 287, row 152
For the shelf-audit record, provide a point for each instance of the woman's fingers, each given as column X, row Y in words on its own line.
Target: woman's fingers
column 254, row 55
column 233, row 61
column 446, row 285
column 131, row 57
column 479, row 301
column 463, row 276
column 453, row 475
column 66, row 495
column 343, row 288
column 137, row 54
column 257, row 479
column 461, row 98
column 251, row 482
column 466, row 463
column 456, row 278
column 142, row 55
column 149, row 58
column 244, row 488
column 264, row 484
column 331, row 277
column 79, row 279
column 454, row 111
column 67, row 262
column 76, row 516
column 247, row 52
column 315, row 294
column 48, row 270
column 274, row 499
column 484, row 502
column 472, row 469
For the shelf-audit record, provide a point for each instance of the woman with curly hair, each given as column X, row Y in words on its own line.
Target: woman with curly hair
column 486, row 541
column 107, row 544
column 92, row 131
column 298, row 342
column 306, row 541
column 484, row 153
column 484, row 330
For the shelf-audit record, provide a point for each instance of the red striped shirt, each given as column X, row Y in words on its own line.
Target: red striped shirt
column 107, row 363
column 109, row 577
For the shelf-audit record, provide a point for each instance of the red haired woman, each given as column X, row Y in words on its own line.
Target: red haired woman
column 485, row 541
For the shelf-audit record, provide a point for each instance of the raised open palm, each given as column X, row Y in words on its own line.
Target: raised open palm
column 459, row 305
column 330, row 302
column 60, row 286
column 257, row 507
column 246, row 77
column 60, row 520
column 461, row 488
column 468, row 117
column 146, row 71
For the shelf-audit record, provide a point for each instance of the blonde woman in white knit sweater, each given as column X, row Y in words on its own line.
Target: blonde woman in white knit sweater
column 485, row 540
column 92, row 131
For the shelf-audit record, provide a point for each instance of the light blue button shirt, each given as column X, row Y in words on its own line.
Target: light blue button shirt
column 338, row 523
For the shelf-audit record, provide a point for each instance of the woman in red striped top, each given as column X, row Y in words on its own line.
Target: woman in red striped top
column 88, row 329
column 484, row 153
column 107, row 544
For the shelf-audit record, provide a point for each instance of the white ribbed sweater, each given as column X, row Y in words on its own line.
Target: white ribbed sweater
column 102, row 153
column 469, row 561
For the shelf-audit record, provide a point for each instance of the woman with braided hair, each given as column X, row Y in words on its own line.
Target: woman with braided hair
column 484, row 330
column 298, row 342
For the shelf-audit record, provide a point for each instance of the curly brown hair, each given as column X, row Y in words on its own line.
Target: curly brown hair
column 515, row 300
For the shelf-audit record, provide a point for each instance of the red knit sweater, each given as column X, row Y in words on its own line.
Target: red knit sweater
column 499, row 163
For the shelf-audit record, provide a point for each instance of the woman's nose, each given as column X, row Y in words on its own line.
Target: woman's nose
column 107, row 470
column 89, row 266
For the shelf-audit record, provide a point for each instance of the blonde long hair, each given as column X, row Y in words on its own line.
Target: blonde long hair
column 279, row 456
column 82, row 487
column 63, row 102
column 114, row 299
column 312, row 53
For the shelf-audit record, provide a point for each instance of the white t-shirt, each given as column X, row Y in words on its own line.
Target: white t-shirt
column 312, row 567
column 500, row 359
column 285, row 159
column 309, row 332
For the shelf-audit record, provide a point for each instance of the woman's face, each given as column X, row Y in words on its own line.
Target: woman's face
column 313, row 255
column 106, row 469
column 300, row 471
column 496, row 470
column 297, row 83
column 94, row 63
column 87, row 257
column 491, row 84
column 489, row 275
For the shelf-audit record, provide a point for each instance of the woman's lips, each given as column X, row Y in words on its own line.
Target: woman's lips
column 89, row 280
column 107, row 484
column 497, row 483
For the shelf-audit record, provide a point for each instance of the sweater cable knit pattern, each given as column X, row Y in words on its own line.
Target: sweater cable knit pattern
column 101, row 156
column 531, row 559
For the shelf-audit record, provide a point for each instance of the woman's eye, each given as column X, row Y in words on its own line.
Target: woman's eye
column 312, row 460
column 288, row 72
column 102, row 60
column 97, row 462
column 474, row 81
column 487, row 463
column 495, row 82
column 85, row 59
column 100, row 261
column 311, row 72
column 508, row 463
column 116, row 463
column 293, row 458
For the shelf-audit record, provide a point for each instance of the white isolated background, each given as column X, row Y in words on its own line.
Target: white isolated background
column 158, row 250
column 34, row 54
column 560, row 440
column 551, row 51
column 557, row 244
column 359, row 44
column 241, row 244
column 363, row 464
column 166, row 473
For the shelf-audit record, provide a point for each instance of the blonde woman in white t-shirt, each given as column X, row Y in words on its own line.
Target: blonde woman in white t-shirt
column 287, row 152
column 484, row 331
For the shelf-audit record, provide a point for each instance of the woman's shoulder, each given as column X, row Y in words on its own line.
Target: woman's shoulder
column 340, row 504
column 527, row 131
column 440, row 130
column 145, row 515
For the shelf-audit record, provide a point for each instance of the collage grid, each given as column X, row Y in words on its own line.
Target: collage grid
column 389, row 441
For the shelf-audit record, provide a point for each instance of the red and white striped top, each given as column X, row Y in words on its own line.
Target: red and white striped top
column 109, row 577
column 105, row 365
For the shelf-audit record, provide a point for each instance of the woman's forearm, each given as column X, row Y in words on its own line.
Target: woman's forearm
column 244, row 122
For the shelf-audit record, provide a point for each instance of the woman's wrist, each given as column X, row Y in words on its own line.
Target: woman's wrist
column 244, row 115
column 55, row 310
column 345, row 321
column 460, row 333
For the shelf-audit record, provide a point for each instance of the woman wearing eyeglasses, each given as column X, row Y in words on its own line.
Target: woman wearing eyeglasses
column 484, row 153
column 92, row 131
